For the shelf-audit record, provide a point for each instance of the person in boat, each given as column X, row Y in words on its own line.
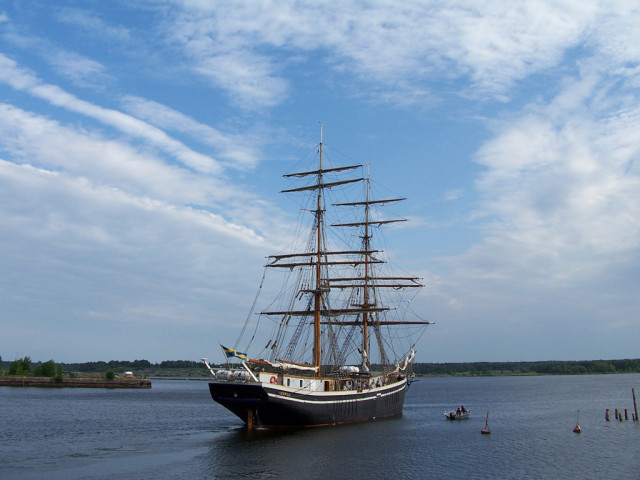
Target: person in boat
column 462, row 409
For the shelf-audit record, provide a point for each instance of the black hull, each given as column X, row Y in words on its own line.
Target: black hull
column 262, row 405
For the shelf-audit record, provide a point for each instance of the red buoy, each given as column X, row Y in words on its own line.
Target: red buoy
column 485, row 430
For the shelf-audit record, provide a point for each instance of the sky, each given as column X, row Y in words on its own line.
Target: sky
column 142, row 147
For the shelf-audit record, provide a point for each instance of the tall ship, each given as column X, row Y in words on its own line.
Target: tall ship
column 341, row 332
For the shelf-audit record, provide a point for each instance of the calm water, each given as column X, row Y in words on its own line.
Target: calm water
column 175, row 430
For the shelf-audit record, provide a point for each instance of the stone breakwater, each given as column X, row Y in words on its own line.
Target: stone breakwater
column 75, row 382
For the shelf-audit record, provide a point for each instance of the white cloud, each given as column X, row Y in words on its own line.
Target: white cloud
column 235, row 149
column 44, row 143
column 15, row 77
column 453, row 195
column 99, row 260
column 21, row 79
column 80, row 18
column 561, row 203
column 478, row 49
column 562, row 178
column 80, row 70
column 393, row 46
column 247, row 77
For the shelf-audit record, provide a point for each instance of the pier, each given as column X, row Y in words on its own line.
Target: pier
column 46, row 382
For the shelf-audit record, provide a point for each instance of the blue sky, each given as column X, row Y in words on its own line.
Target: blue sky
column 142, row 146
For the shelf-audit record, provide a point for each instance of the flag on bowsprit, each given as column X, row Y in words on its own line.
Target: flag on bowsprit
column 230, row 352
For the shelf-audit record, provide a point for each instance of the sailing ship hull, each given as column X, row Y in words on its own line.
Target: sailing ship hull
column 263, row 405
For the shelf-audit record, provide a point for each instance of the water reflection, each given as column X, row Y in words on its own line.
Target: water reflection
column 332, row 452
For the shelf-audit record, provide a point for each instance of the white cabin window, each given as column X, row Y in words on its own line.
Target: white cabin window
column 288, row 382
column 300, row 383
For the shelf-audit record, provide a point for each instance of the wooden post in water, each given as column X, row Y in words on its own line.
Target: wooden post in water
column 606, row 415
column 250, row 419
column 635, row 406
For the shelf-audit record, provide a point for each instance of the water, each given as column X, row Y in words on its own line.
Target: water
column 175, row 430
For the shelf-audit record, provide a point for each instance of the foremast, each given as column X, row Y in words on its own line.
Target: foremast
column 317, row 350
column 320, row 253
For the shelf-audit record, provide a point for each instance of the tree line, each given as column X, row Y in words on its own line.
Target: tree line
column 581, row 367
column 24, row 367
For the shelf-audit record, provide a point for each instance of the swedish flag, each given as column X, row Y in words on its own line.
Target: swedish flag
column 230, row 352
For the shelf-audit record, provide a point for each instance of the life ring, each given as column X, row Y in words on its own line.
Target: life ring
column 273, row 379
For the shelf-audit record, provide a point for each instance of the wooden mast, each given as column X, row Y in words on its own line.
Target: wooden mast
column 369, row 306
column 317, row 353
column 365, row 303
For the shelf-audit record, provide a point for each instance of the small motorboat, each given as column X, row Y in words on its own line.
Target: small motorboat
column 459, row 414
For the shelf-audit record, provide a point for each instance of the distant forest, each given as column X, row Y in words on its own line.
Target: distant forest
column 192, row 368
column 582, row 367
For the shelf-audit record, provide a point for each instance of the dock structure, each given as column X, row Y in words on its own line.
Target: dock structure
column 46, row 382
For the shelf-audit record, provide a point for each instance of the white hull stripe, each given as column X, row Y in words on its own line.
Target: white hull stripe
column 327, row 401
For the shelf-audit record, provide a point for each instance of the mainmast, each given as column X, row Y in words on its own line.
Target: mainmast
column 318, row 258
column 365, row 306
column 317, row 352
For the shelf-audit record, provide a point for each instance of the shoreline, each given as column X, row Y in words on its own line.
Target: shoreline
column 47, row 382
